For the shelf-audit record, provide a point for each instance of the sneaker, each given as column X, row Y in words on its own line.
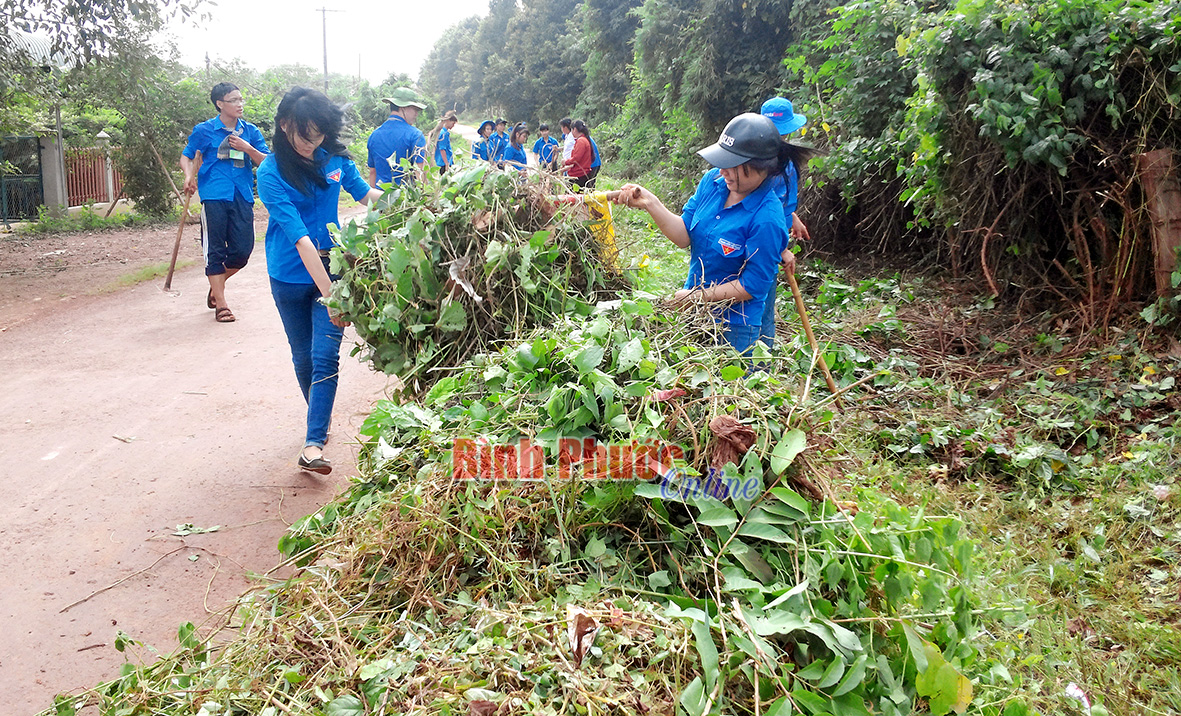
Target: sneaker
column 320, row 465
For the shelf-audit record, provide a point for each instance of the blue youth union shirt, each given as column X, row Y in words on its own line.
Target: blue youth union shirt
column 219, row 179
column 498, row 143
column 294, row 215
column 544, row 149
column 516, row 154
column 480, row 149
column 787, row 191
column 741, row 242
column 443, row 148
column 394, row 141
column 596, row 162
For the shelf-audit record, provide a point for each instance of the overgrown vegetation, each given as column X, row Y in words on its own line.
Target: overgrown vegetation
column 998, row 138
column 986, row 516
column 85, row 219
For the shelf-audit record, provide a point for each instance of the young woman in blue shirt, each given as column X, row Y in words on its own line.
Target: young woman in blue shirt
column 444, row 157
column 786, row 186
column 733, row 226
column 482, row 149
column 300, row 186
column 514, row 155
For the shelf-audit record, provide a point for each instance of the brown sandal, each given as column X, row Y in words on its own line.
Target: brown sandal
column 224, row 315
column 209, row 300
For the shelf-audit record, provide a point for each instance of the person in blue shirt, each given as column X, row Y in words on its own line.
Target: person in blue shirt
column 226, row 148
column 596, row 163
column 733, row 226
column 397, row 139
column 514, row 155
column 482, row 149
column 499, row 142
column 444, row 157
column 786, row 186
column 300, row 186
column 546, row 148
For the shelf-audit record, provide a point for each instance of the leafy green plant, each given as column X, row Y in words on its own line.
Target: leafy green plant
column 84, row 219
column 455, row 266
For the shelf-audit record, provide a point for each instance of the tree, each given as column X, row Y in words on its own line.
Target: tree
column 713, row 59
column 444, row 74
column 608, row 31
column 83, row 31
column 159, row 103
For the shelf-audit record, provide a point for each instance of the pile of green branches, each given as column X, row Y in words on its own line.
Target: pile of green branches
column 424, row 591
column 460, row 263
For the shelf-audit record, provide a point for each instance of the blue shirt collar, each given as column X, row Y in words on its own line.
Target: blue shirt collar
column 217, row 124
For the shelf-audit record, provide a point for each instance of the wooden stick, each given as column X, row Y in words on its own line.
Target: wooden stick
column 576, row 198
column 795, row 291
column 113, row 204
column 184, row 214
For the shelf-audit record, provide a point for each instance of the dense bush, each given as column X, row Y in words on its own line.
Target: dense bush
column 1000, row 137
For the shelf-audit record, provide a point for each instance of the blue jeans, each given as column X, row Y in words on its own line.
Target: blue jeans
column 315, row 351
column 767, row 331
column 741, row 337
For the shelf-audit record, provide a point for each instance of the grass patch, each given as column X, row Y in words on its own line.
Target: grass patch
column 87, row 219
column 146, row 273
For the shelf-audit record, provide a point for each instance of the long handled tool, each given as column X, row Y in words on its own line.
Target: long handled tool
column 795, row 291
column 184, row 214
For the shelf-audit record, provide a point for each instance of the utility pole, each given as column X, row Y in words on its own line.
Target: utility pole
column 324, row 17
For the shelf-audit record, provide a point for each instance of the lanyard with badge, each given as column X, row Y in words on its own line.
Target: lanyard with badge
column 225, row 151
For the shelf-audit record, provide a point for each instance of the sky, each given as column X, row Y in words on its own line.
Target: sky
column 382, row 36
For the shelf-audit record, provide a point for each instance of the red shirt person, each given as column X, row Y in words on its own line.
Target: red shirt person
column 578, row 166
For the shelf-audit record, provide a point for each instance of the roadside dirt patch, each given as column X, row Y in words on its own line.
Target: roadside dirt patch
column 127, row 413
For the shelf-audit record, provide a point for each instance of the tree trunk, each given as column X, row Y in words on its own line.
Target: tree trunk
column 1162, row 192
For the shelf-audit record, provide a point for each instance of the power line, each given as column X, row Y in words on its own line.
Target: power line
column 324, row 17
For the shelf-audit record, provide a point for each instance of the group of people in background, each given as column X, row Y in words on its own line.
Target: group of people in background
column 577, row 155
column 738, row 226
column 398, row 144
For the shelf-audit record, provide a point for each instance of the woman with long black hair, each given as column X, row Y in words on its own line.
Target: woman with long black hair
column 514, row 155
column 300, row 183
column 578, row 166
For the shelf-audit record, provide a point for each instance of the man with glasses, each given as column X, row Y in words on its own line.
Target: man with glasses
column 219, row 161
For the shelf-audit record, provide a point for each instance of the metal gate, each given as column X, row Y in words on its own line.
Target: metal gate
column 21, row 191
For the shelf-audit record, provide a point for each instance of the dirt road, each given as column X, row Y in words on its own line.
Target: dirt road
column 125, row 415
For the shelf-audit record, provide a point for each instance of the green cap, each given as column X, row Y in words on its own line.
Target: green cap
column 405, row 97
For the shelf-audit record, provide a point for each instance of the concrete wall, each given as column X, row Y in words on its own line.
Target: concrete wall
column 53, row 175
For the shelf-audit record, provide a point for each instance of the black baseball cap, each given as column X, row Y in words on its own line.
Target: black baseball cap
column 747, row 136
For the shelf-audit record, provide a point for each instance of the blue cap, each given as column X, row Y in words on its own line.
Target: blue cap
column 779, row 111
column 486, row 123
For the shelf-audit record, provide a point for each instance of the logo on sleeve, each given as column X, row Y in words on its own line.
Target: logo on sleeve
column 334, row 175
column 728, row 247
